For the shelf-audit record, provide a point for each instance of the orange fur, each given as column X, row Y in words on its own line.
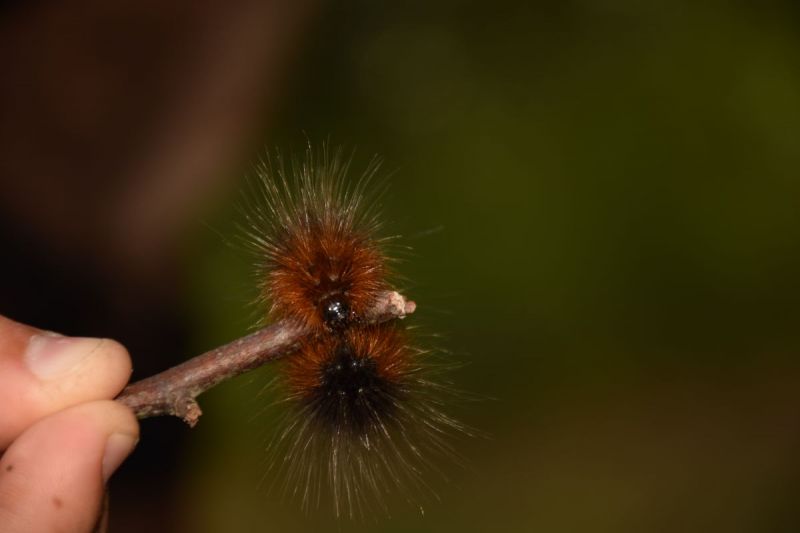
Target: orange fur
column 315, row 263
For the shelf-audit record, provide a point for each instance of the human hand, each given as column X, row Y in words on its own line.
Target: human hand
column 62, row 435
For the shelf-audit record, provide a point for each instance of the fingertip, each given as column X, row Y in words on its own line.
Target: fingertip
column 43, row 372
column 109, row 367
column 62, row 361
column 113, row 417
column 121, row 428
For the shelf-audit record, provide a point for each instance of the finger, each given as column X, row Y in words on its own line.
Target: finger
column 42, row 372
column 52, row 476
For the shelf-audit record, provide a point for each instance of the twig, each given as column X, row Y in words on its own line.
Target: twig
column 173, row 391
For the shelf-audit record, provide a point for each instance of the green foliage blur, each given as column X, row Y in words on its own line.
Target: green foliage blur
column 602, row 198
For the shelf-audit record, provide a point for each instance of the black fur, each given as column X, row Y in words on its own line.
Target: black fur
column 352, row 396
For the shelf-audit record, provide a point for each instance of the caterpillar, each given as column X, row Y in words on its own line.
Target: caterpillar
column 364, row 416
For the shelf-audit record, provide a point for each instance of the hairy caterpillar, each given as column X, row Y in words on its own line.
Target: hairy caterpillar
column 365, row 412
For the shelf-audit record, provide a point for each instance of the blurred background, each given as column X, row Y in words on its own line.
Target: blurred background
column 602, row 198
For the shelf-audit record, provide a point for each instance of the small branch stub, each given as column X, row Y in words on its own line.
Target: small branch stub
column 173, row 391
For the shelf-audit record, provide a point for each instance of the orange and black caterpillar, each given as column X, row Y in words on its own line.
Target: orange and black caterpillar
column 365, row 417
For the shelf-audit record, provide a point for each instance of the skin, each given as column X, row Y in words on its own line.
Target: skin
column 61, row 436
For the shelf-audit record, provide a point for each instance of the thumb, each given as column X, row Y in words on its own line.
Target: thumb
column 42, row 372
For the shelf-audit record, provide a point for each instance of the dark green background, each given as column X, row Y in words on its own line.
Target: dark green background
column 614, row 190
